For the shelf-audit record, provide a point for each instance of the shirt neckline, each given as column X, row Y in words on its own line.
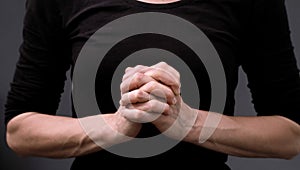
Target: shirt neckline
column 157, row 6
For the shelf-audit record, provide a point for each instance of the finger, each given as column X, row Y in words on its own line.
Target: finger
column 138, row 116
column 166, row 67
column 152, row 106
column 130, row 71
column 160, row 90
column 136, row 96
column 165, row 78
column 135, row 82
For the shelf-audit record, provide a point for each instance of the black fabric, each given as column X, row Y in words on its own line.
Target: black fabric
column 167, row 159
column 253, row 34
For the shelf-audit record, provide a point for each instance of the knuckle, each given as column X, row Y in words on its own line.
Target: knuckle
column 158, row 73
column 128, row 69
column 138, row 67
column 155, row 72
column 166, row 108
column 138, row 77
column 177, row 74
column 122, row 87
column 169, row 94
column 139, row 94
column 151, row 104
column 124, row 100
column 162, row 63
column 152, row 84
column 124, row 77
column 147, row 107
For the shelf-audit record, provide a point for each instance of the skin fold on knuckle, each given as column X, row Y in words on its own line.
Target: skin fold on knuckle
column 157, row 106
column 170, row 95
column 167, row 109
column 125, row 99
column 149, row 86
column 165, row 93
column 155, row 73
column 140, row 95
column 164, row 108
column 136, row 80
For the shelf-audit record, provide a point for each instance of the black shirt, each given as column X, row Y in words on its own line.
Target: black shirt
column 253, row 34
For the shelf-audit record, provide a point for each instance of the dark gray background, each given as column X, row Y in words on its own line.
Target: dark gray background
column 11, row 16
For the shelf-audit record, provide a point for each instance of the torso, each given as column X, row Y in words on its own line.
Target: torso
column 218, row 19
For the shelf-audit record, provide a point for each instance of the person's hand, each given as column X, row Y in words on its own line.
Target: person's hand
column 152, row 94
column 114, row 127
column 121, row 125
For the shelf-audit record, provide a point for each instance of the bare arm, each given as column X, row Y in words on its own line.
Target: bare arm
column 261, row 136
column 35, row 134
column 269, row 136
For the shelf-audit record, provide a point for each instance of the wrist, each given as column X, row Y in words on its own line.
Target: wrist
column 194, row 133
column 107, row 130
column 126, row 127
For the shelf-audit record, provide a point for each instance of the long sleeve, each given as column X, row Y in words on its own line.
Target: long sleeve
column 270, row 63
column 44, row 59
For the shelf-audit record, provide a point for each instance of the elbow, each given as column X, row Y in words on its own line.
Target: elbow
column 12, row 144
column 293, row 146
column 13, row 139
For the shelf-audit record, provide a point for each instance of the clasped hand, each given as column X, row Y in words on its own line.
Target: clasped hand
column 152, row 94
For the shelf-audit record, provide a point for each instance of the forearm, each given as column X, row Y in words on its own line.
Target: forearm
column 270, row 136
column 34, row 134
